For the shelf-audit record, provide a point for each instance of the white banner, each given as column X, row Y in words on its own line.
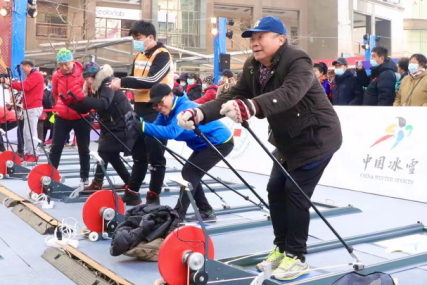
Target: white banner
column 118, row 13
column 383, row 151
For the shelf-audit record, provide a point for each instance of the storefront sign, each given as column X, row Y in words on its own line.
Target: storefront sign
column 118, row 13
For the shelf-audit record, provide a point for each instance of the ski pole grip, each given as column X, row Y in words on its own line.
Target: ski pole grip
column 74, row 95
column 2, row 132
column 62, row 96
column 245, row 124
column 96, row 156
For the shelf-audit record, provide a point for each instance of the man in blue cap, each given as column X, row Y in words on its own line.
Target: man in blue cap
column 278, row 83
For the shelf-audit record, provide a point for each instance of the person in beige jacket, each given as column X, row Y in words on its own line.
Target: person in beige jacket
column 229, row 81
column 413, row 88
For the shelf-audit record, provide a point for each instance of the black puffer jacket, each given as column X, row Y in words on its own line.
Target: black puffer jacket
column 143, row 223
column 305, row 127
column 195, row 92
column 111, row 108
column 381, row 84
column 346, row 89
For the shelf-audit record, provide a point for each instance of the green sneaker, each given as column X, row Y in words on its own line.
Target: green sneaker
column 290, row 268
column 275, row 257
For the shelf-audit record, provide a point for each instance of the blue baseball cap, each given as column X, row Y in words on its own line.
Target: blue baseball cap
column 267, row 24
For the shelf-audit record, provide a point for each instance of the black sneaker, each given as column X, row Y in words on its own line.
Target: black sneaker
column 208, row 216
column 152, row 198
column 85, row 181
column 131, row 198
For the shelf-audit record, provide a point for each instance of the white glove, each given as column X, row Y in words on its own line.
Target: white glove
column 187, row 118
column 238, row 110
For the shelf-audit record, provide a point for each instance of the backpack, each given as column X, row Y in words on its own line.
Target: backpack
column 354, row 278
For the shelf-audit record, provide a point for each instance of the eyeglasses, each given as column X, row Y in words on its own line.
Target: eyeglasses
column 159, row 104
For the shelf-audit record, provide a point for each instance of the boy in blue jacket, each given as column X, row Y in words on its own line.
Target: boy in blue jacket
column 166, row 127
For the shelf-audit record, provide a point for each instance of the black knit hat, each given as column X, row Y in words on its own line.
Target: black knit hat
column 158, row 92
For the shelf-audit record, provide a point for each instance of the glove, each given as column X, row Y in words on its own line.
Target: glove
column 238, row 110
column 68, row 99
column 78, row 107
column 188, row 119
column 134, row 122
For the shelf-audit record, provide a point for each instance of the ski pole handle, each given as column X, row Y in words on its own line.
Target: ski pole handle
column 74, row 95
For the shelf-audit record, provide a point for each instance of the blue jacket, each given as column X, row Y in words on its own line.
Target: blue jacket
column 166, row 127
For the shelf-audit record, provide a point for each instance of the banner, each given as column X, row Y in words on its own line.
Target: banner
column 18, row 34
column 382, row 153
column 5, row 42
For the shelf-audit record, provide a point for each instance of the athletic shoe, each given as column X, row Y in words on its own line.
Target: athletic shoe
column 290, row 268
column 152, row 198
column 208, row 216
column 32, row 158
column 85, row 181
column 275, row 257
column 95, row 185
column 48, row 142
column 131, row 198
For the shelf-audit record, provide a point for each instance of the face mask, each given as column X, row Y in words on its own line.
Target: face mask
column 204, row 86
column 398, row 76
column 182, row 84
column 374, row 62
column 339, row 71
column 413, row 67
column 190, row 81
column 139, row 45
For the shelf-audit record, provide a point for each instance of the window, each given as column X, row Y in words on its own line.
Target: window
column 415, row 41
column 112, row 28
column 51, row 25
column 178, row 22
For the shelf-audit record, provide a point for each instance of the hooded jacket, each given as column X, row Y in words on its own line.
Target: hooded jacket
column 111, row 108
column 143, row 223
column 166, row 127
column 194, row 91
column 304, row 125
column 210, row 94
column 380, row 84
column 61, row 84
column 346, row 89
column 417, row 86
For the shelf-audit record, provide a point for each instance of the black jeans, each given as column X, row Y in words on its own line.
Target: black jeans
column 10, row 125
column 62, row 128
column 147, row 150
column 47, row 125
column 20, row 134
column 289, row 209
column 116, row 162
column 205, row 159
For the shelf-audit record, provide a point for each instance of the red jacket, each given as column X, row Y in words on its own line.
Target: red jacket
column 10, row 115
column 33, row 88
column 62, row 83
column 210, row 94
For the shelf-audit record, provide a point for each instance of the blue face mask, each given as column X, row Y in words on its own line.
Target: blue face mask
column 374, row 62
column 398, row 76
column 182, row 83
column 204, row 86
column 139, row 45
column 49, row 86
column 413, row 67
column 339, row 71
column 190, row 81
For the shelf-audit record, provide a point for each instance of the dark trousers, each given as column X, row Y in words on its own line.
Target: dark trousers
column 289, row 209
column 47, row 125
column 147, row 150
column 116, row 162
column 10, row 125
column 82, row 130
column 20, row 134
column 205, row 159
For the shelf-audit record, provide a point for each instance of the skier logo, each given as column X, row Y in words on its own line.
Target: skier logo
column 396, row 131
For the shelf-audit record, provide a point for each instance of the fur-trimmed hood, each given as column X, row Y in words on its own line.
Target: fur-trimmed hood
column 104, row 72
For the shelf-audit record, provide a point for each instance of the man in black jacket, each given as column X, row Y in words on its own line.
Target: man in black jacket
column 346, row 89
column 278, row 83
column 153, row 64
column 381, row 83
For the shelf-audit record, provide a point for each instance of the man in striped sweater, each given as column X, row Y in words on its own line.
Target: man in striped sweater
column 152, row 64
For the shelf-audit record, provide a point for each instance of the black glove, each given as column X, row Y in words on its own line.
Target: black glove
column 134, row 122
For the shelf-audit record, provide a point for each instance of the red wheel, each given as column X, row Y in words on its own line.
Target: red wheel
column 36, row 174
column 4, row 157
column 93, row 205
column 173, row 271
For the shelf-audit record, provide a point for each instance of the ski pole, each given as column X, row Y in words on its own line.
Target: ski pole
column 96, row 131
column 26, row 108
column 206, row 173
column 200, row 134
column 5, row 121
column 286, row 174
column 20, row 132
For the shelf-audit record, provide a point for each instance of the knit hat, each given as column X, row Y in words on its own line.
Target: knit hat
column 209, row 79
column 64, row 55
column 90, row 69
